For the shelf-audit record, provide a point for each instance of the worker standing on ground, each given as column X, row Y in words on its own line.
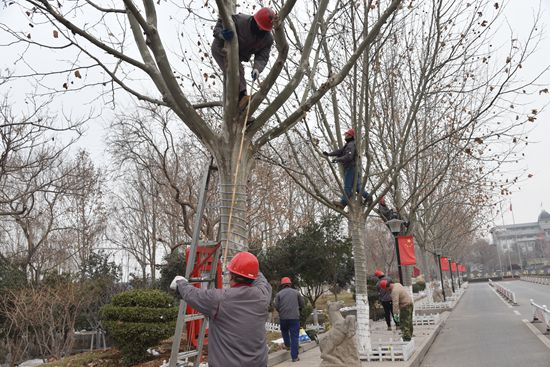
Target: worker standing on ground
column 384, row 297
column 254, row 36
column 347, row 156
column 289, row 304
column 402, row 307
column 237, row 315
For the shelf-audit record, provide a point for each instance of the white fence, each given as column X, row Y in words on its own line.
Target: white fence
column 508, row 294
column 419, row 320
column 390, row 351
column 272, row 326
column 538, row 280
column 541, row 313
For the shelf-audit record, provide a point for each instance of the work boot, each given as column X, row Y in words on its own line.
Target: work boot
column 243, row 103
column 338, row 204
column 389, row 328
column 296, row 359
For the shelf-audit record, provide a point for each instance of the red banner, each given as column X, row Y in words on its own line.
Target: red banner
column 416, row 272
column 406, row 250
column 453, row 267
column 461, row 268
column 444, row 264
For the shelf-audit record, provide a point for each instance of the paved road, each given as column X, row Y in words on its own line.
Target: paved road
column 484, row 331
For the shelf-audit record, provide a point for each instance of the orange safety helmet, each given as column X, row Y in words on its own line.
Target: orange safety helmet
column 385, row 284
column 285, row 280
column 350, row 132
column 244, row 264
column 378, row 273
column 264, row 18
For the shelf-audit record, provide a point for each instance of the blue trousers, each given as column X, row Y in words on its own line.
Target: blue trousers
column 290, row 329
column 349, row 176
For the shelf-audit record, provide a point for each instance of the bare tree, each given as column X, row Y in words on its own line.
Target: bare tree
column 107, row 46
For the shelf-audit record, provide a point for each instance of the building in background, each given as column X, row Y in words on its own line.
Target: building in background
column 524, row 246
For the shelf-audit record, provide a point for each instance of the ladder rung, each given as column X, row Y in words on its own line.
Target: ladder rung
column 187, row 354
column 193, row 316
column 200, row 280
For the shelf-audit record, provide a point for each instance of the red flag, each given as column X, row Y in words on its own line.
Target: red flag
column 416, row 272
column 444, row 264
column 453, row 267
column 406, row 250
column 463, row 268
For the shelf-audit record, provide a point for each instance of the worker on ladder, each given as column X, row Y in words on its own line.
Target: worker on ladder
column 254, row 35
column 347, row 156
column 237, row 315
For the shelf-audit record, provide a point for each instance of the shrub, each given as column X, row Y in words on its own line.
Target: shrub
column 137, row 320
column 419, row 286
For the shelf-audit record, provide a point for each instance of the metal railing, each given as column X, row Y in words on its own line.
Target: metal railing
column 508, row 294
column 541, row 313
column 538, row 280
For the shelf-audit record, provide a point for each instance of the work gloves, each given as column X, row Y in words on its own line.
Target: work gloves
column 255, row 74
column 174, row 284
column 396, row 319
column 227, row 34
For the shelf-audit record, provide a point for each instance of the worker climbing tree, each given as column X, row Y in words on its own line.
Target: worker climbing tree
column 347, row 156
column 254, row 36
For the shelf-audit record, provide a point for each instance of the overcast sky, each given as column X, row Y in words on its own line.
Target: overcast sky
column 527, row 199
column 532, row 194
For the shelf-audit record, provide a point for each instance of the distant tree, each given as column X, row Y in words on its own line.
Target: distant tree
column 316, row 257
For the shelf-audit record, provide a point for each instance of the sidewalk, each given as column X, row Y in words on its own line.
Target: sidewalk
column 423, row 336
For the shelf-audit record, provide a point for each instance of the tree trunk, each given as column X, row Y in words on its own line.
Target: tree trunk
column 233, row 176
column 357, row 226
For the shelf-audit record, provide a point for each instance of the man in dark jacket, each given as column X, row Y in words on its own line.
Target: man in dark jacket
column 385, row 297
column 347, row 157
column 237, row 315
column 288, row 304
column 254, row 35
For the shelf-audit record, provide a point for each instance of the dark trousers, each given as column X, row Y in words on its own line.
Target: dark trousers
column 349, row 177
column 290, row 329
column 388, row 305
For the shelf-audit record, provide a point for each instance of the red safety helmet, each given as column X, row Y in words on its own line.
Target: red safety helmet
column 385, row 284
column 264, row 18
column 350, row 132
column 244, row 264
column 285, row 280
column 378, row 273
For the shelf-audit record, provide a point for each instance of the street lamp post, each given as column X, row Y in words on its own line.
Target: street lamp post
column 451, row 272
column 458, row 275
column 395, row 227
column 441, row 276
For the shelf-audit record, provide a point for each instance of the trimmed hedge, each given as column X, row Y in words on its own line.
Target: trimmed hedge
column 139, row 319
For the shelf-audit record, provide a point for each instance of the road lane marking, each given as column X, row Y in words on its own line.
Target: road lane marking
column 517, row 312
column 537, row 332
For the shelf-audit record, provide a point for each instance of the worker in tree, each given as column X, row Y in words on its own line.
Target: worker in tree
column 289, row 304
column 347, row 156
column 385, row 211
column 402, row 307
column 254, row 36
column 384, row 297
column 237, row 315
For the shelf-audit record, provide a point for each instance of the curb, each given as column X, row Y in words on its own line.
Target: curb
column 419, row 355
column 283, row 355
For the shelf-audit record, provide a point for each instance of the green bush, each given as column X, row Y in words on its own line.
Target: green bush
column 419, row 286
column 139, row 319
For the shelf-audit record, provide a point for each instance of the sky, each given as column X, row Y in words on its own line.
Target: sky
column 527, row 199
column 533, row 194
